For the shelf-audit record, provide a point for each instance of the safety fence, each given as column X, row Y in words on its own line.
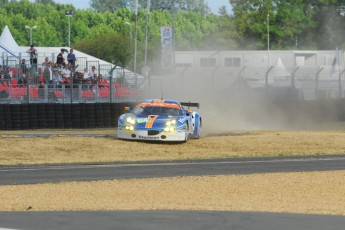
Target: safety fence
column 103, row 115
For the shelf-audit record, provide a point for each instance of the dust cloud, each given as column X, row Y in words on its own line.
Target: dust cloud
column 227, row 105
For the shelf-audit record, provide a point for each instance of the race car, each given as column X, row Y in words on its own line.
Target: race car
column 160, row 120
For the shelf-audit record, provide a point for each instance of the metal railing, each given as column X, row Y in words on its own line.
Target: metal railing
column 56, row 92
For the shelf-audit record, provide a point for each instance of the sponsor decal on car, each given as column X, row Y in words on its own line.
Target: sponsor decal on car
column 142, row 120
column 148, row 138
column 182, row 119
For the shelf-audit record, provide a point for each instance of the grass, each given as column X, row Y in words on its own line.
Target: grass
column 68, row 149
column 312, row 192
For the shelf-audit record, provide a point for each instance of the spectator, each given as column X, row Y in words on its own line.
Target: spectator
column 14, row 83
column 33, row 56
column 66, row 74
column 57, row 76
column 23, row 67
column 8, row 73
column 46, row 60
column 89, row 84
column 60, row 60
column 86, row 74
column 41, row 90
column 71, row 59
column 48, row 73
column 22, row 81
column 93, row 73
column 102, row 83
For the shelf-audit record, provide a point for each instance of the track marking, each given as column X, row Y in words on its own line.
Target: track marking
column 8, row 229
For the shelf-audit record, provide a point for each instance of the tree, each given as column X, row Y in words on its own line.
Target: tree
column 3, row 2
column 110, row 46
column 311, row 22
column 45, row 2
column 185, row 5
column 108, row 5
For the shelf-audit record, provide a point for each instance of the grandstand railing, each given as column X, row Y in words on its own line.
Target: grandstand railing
column 67, row 93
column 33, row 72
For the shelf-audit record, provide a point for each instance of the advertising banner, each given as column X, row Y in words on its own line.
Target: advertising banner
column 167, row 47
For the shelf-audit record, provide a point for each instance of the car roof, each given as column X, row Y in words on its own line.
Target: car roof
column 161, row 103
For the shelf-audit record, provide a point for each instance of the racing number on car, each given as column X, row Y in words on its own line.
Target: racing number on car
column 149, row 123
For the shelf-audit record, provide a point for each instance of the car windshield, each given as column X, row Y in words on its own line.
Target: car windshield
column 157, row 110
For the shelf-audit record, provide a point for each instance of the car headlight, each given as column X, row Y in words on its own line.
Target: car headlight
column 169, row 129
column 170, row 123
column 129, row 127
column 130, row 120
column 170, row 126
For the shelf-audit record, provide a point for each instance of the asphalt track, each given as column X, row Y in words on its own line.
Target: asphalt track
column 167, row 220
column 128, row 170
column 156, row 220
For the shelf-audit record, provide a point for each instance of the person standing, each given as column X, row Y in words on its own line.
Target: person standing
column 48, row 73
column 93, row 73
column 33, row 55
column 33, row 62
column 71, row 58
column 23, row 67
column 60, row 60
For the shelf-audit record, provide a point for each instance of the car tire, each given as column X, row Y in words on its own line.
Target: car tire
column 199, row 126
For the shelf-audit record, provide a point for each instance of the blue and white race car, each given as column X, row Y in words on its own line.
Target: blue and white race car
column 160, row 120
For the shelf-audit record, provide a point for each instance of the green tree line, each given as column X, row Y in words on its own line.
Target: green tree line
column 106, row 30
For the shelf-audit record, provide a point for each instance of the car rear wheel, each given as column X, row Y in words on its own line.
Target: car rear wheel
column 198, row 127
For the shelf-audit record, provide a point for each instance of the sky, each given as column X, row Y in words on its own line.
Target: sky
column 84, row 4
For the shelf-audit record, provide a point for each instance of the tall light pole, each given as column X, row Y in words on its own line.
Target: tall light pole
column 131, row 41
column 69, row 14
column 268, row 39
column 147, row 25
column 268, row 32
column 30, row 28
column 135, row 41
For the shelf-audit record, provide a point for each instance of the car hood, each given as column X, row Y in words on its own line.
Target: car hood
column 154, row 121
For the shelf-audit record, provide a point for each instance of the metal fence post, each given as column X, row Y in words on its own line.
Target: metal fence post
column 340, row 86
column 293, row 84
column 266, row 76
column 317, row 79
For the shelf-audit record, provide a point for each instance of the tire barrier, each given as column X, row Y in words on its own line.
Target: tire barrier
column 60, row 116
column 105, row 115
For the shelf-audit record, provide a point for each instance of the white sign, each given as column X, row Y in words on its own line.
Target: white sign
column 167, row 47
